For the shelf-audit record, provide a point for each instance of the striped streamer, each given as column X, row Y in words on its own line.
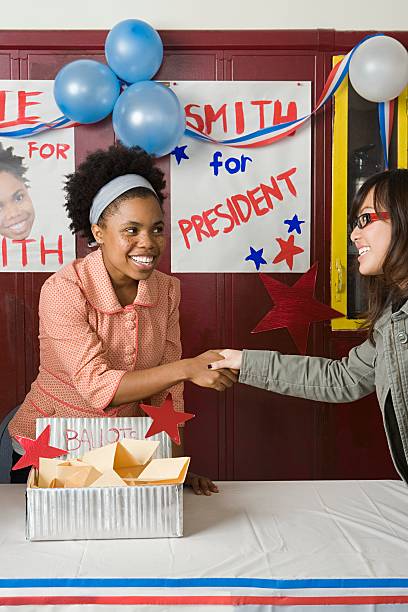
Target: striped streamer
column 60, row 122
column 268, row 135
column 259, row 138
column 386, row 118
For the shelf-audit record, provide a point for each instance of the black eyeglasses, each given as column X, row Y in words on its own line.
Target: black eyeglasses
column 366, row 218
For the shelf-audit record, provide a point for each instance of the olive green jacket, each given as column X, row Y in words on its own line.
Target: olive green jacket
column 381, row 367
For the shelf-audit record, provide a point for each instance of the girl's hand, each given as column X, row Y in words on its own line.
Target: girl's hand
column 201, row 485
column 232, row 360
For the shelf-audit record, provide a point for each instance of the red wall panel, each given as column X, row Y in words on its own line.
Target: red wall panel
column 244, row 433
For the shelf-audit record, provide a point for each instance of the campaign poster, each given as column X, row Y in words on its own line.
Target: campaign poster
column 34, row 227
column 237, row 208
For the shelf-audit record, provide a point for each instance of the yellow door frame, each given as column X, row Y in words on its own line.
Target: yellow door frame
column 339, row 271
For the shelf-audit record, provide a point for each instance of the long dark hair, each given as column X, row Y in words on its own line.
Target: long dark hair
column 390, row 193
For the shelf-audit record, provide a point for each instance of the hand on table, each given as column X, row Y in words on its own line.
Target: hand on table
column 232, row 360
column 201, row 485
column 201, row 375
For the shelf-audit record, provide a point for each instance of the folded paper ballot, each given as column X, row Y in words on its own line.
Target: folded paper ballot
column 125, row 463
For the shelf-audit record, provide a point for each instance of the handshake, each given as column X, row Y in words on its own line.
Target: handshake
column 216, row 369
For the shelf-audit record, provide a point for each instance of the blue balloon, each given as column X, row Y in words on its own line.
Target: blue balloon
column 134, row 50
column 149, row 115
column 86, row 91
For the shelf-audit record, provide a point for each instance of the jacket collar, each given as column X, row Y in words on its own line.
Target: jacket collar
column 98, row 289
column 388, row 314
column 404, row 307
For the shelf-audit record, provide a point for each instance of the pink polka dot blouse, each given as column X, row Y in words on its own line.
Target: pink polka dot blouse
column 88, row 341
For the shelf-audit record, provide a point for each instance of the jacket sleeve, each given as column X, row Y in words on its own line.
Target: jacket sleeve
column 172, row 349
column 315, row 378
column 70, row 347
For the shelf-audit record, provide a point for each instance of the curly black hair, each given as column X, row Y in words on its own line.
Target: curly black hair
column 97, row 170
column 13, row 164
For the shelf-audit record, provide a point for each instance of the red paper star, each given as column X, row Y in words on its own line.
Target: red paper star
column 295, row 307
column 34, row 449
column 165, row 418
column 288, row 251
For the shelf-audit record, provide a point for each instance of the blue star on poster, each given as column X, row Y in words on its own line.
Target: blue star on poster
column 180, row 153
column 256, row 257
column 294, row 224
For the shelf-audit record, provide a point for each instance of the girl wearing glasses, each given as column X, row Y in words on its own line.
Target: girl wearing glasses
column 379, row 218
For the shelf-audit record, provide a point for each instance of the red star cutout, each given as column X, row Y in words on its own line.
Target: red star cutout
column 34, row 449
column 288, row 250
column 295, row 307
column 165, row 418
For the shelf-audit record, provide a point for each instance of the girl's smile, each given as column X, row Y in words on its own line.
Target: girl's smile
column 16, row 208
column 371, row 241
column 132, row 240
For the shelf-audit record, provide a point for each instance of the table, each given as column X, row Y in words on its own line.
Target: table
column 255, row 546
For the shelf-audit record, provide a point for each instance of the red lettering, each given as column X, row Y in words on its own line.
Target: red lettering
column 233, row 212
column 230, row 227
column 255, row 201
column 235, row 200
column 116, row 432
column 86, row 439
column 211, row 117
column 185, row 226
column 261, row 104
column 58, row 251
column 47, row 150
column 4, row 252
column 32, row 146
column 123, row 431
column 197, row 118
column 291, row 114
column 239, row 117
column 22, row 104
column 285, row 176
column 210, row 222
column 69, row 439
column 62, row 149
column 24, row 242
column 198, row 223
column 3, row 104
column 236, row 209
column 271, row 191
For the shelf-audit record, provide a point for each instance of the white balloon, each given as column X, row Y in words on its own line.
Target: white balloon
column 378, row 69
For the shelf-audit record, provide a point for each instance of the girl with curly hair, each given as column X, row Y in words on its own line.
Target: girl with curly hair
column 16, row 208
column 109, row 323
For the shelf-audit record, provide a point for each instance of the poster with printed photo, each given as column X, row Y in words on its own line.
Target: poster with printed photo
column 238, row 208
column 34, row 228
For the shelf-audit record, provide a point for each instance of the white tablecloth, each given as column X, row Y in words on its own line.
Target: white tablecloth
column 255, row 545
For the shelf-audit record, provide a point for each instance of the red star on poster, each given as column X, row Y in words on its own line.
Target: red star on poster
column 165, row 418
column 288, row 251
column 34, row 449
column 295, row 307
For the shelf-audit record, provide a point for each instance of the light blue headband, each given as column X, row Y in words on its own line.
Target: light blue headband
column 113, row 190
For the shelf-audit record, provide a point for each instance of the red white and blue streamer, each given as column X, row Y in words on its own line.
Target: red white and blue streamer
column 268, row 135
column 37, row 127
column 362, row 594
column 259, row 138
column 386, row 118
